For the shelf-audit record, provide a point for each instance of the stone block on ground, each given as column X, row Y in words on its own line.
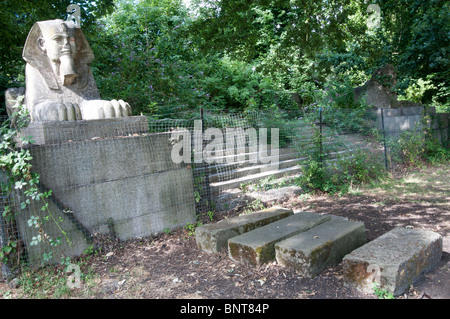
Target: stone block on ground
column 258, row 246
column 393, row 261
column 326, row 244
column 214, row 237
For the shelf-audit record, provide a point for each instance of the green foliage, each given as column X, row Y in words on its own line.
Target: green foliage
column 381, row 293
column 277, row 118
column 140, row 54
column 15, row 165
column 237, row 55
column 297, row 42
column 315, row 176
column 416, row 90
column 252, row 207
column 361, row 167
column 441, row 100
column 340, row 110
column 52, row 281
column 191, row 227
column 44, row 283
column 413, row 36
column 147, row 57
column 251, row 29
column 408, row 148
column 415, row 147
column 435, row 152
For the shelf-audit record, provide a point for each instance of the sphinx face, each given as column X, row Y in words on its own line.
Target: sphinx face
column 60, row 46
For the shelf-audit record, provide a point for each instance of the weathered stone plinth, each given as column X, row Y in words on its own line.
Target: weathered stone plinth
column 258, row 246
column 123, row 184
column 131, row 180
column 393, row 261
column 58, row 132
column 214, row 237
column 312, row 251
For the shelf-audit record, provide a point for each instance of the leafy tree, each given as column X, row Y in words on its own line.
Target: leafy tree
column 413, row 35
column 145, row 56
column 251, row 28
column 297, row 42
column 238, row 54
column 148, row 56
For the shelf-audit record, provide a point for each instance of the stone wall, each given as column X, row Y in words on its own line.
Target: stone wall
column 125, row 185
column 398, row 120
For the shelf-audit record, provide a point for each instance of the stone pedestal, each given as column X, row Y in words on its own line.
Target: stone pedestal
column 110, row 177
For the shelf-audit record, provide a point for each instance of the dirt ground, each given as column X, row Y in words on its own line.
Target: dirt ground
column 170, row 266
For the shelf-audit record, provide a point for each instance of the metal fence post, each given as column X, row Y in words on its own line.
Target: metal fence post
column 320, row 138
column 205, row 166
column 384, row 140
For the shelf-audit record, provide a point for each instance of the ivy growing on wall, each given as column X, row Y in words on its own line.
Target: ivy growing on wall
column 19, row 182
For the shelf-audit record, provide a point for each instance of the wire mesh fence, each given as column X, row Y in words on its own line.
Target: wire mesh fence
column 133, row 177
column 107, row 178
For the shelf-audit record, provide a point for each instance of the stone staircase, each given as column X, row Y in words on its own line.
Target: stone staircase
column 288, row 162
column 227, row 176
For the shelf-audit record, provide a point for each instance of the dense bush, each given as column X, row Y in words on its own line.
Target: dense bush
column 412, row 148
column 362, row 167
column 147, row 56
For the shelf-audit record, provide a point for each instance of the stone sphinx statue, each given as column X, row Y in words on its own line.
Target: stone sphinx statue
column 59, row 82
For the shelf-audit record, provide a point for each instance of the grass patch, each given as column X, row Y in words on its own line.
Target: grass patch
column 429, row 183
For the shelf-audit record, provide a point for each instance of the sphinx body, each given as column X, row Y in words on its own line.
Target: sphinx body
column 59, row 83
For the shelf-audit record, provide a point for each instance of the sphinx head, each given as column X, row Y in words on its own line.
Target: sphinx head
column 59, row 44
column 59, row 50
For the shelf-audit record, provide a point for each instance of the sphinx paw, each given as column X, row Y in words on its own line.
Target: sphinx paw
column 56, row 111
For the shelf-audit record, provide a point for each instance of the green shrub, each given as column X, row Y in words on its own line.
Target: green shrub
column 315, row 176
column 362, row 167
column 414, row 147
column 408, row 148
column 275, row 117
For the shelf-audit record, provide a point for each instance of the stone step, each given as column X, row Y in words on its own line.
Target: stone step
column 324, row 245
column 258, row 246
column 214, row 237
column 284, row 155
column 392, row 261
column 251, row 170
column 217, row 187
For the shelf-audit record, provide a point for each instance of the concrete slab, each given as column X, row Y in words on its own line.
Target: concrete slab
column 214, row 237
column 393, row 261
column 326, row 244
column 258, row 246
